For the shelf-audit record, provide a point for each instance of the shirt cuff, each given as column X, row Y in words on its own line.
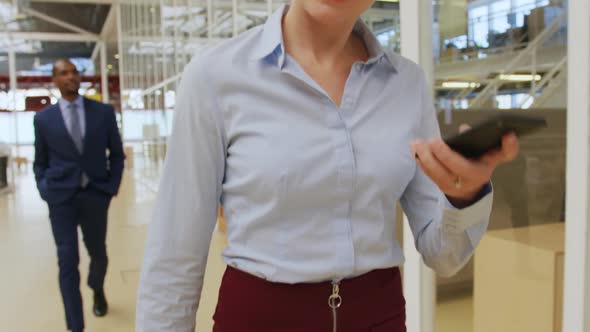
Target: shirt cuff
column 456, row 220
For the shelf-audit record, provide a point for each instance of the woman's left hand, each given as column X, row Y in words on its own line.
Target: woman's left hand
column 461, row 179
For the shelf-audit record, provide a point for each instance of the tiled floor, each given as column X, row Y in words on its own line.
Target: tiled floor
column 29, row 294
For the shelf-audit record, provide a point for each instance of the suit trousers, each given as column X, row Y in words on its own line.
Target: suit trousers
column 373, row 302
column 88, row 208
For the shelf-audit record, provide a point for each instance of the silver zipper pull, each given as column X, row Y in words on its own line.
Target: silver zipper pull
column 335, row 301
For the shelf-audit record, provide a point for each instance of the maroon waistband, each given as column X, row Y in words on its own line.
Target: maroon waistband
column 353, row 287
column 249, row 303
column 368, row 279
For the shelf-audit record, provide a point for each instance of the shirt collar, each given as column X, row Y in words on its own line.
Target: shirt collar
column 376, row 51
column 64, row 104
column 271, row 42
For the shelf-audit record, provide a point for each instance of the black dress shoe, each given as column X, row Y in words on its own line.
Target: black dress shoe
column 101, row 306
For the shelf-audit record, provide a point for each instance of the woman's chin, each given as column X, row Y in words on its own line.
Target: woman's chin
column 335, row 11
column 328, row 14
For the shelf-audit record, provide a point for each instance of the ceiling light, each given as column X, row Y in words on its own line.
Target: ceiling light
column 519, row 77
column 460, row 85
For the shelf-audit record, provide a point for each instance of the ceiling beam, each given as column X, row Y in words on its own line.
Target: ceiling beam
column 57, row 22
column 109, row 22
column 105, row 28
column 49, row 36
column 100, row 2
column 95, row 51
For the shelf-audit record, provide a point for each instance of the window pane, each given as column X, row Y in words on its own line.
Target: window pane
column 479, row 26
column 499, row 13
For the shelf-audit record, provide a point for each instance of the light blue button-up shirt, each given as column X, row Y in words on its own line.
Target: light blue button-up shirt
column 309, row 189
column 66, row 113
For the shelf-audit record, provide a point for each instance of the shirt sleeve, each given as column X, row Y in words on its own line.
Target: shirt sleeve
column 445, row 236
column 185, row 211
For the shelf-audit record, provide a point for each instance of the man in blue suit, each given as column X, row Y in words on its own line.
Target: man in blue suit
column 77, row 179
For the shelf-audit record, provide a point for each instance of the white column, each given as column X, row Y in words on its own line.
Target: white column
column 576, row 314
column 13, row 88
column 134, row 71
column 164, row 54
column 12, row 69
column 235, row 17
column 416, row 19
column 104, row 74
column 121, row 60
column 210, row 19
column 13, row 80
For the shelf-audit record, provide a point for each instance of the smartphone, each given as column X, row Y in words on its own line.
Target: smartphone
column 487, row 135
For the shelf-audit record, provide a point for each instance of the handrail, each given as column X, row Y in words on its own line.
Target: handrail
column 492, row 51
column 545, row 81
column 531, row 49
column 549, row 90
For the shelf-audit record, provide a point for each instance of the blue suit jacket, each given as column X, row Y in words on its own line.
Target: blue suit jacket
column 58, row 165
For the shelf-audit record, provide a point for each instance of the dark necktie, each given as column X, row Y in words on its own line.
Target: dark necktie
column 76, row 133
column 76, row 128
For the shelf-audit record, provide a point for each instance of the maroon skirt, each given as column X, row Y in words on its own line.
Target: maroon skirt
column 373, row 302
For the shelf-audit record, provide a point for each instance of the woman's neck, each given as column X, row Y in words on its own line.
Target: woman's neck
column 322, row 43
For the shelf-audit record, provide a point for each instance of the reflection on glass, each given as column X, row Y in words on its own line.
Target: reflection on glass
column 523, row 249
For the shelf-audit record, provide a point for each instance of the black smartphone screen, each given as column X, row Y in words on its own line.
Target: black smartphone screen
column 487, row 135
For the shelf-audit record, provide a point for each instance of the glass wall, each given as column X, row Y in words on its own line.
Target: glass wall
column 517, row 52
column 34, row 91
column 514, row 281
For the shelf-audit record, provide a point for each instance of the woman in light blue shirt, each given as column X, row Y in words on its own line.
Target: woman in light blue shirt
column 307, row 132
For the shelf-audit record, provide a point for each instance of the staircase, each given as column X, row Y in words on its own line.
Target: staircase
column 552, row 81
column 535, row 58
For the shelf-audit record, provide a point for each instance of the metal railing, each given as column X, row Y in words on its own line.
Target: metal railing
column 513, row 34
column 527, row 57
column 531, row 50
column 547, row 85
